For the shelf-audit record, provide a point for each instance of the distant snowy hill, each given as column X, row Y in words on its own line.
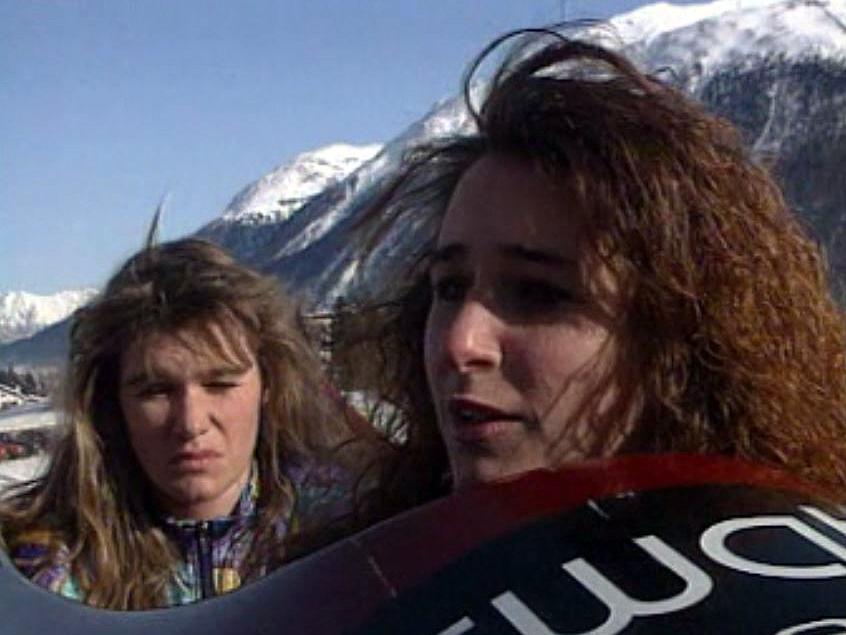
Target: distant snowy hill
column 23, row 314
column 776, row 68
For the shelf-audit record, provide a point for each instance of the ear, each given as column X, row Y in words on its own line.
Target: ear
column 263, row 374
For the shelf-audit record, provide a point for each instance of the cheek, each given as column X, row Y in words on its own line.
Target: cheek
column 551, row 363
column 431, row 351
column 250, row 402
column 249, row 423
column 143, row 420
column 243, row 416
column 539, row 374
column 147, row 442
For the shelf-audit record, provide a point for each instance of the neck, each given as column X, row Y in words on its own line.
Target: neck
column 206, row 508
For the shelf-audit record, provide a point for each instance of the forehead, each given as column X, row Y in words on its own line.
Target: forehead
column 506, row 200
column 187, row 351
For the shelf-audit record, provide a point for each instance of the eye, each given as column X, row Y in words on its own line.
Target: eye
column 449, row 287
column 533, row 296
column 152, row 390
column 221, row 385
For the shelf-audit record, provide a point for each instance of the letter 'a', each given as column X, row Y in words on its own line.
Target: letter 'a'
column 713, row 544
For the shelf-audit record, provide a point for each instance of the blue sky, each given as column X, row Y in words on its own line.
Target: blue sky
column 109, row 104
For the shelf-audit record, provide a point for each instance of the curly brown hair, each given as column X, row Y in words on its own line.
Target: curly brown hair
column 95, row 497
column 733, row 334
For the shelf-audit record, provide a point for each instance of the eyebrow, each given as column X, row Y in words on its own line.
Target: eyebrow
column 143, row 377
column 448, row 253
column 137, row 379
column 458, row 251
column 520, row 252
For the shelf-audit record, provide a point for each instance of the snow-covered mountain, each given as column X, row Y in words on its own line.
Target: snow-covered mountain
column 277, row 195
column 777, row 68
column 269, row 202
column 711, row 35
column 22, row 314
column 310, row 251
column 699, row 41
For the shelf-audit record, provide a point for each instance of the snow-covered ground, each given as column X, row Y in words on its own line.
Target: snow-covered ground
column 18, row 470
column 27, row 417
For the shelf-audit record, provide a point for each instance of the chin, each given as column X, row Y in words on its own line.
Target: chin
column 193, row 494
column 477, row 474
column 478, row 471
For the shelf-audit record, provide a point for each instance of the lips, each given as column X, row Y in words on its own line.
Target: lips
column 475, row 421
column 194, row 459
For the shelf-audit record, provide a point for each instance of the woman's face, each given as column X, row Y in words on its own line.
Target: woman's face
column 521, row 338
column 192, row 420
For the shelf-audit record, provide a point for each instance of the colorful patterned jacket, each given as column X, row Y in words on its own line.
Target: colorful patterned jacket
column 213, row 551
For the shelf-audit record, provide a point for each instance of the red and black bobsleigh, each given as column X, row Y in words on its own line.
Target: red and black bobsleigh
column 660, row 544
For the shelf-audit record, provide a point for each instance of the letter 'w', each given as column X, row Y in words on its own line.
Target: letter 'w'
column 621, row 608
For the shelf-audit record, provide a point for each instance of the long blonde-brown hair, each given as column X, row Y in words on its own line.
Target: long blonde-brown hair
column 734, row 338
column 94, row 496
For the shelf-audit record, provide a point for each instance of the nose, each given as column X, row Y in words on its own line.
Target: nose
column 471, row 338
column 189, row 413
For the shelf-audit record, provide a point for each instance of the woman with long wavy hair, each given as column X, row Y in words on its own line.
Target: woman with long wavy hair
column 603, row 269
column 198, row 446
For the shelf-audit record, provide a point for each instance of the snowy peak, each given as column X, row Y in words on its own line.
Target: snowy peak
column 649, row 21
column 280, row 193
column 22, row 314
column 702, row 38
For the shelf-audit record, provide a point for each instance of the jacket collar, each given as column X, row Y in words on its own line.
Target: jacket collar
column 244, row 509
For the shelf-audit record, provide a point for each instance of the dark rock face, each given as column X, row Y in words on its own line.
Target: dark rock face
column 793, row 115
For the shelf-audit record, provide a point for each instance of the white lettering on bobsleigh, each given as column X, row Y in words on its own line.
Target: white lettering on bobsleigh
column 622, row 609
column 713, row 543
column 814, row 627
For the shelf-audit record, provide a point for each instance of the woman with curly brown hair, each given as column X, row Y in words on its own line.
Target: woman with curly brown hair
column 606, row 271
column 199, row 435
